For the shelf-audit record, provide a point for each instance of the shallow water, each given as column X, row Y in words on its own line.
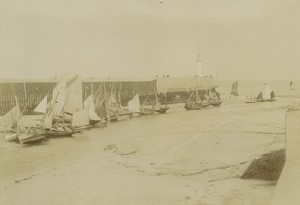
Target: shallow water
column 182, row 157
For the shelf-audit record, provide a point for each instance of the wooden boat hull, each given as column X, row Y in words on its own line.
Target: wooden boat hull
column 205, row 104
column 193, row 106
column 162, row 110
column 216, row 103
column 31, row 137
column 60, row 132
column 11, row 137
column 93, row 122
column 147, row 111
column 260, row 101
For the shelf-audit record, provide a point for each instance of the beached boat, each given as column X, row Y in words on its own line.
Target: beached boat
column 134, row 105
column 35, row 134
column 214, row 98
column 32, row 135
column 12, row 123
column 147, row 110
column 193, row 104
column 234, row 89
column 158, row 107
column 266, row 95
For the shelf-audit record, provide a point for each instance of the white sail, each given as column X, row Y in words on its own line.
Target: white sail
column 42, row 107
column 80, row 118
column 266, row 92
column 73, row 101
column 59, row 97
column 90, row 106
column 134, row 104
column 48, row 121
column 13, row 119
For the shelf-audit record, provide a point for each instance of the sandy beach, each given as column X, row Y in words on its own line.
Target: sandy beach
column 182, row 157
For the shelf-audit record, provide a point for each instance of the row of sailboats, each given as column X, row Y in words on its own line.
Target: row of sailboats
column 66, row 113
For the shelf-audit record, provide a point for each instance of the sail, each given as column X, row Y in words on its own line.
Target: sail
column 80, row 118
column 59, row 97
column 266, row 92
column 101, row 109
column 90, row 106
column 13, row 119
column 234, row 89
column 259, row 96
column 48, row 120
column 272, row 95
column 73, row 101
column 134, row 104
column 42, row 107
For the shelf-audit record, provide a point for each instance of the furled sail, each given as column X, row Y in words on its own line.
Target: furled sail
column 42, row 107
column 134, row 104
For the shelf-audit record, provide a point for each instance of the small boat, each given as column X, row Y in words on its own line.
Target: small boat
column 264, row 96
column 215, row 102
column 134, row 105
column 234, row 89
column 214, row 98
column 147, row 111
column 33, row 135
column 205, row 103
column 193, row 105
column 158, row 107
column 59, row 131
column 12, row 123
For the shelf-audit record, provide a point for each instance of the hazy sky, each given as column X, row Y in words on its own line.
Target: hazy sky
column 238, row 39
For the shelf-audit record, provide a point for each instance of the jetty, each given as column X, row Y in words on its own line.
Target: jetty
column 30, row 92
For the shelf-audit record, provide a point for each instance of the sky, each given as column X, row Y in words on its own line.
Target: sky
column 237, row 40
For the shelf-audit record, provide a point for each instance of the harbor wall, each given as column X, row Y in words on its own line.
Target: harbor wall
column 288, row 187
column 31, row 92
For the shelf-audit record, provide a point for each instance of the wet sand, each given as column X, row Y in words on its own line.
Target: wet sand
column 183, row 157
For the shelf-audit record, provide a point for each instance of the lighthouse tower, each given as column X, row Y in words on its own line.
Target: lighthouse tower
column 199, row 66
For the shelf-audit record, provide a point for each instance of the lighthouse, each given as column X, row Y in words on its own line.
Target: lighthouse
column 199, row 66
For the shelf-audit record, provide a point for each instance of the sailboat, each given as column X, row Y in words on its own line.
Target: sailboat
column 147, row 110
column 124, row 112
column 193, row 105
column 54, row 119
column 234, row 89
column 35, row 134
column 13, row 121
column 134, row 105
column 266, row 95
column 214, row 98
column 158, row 107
